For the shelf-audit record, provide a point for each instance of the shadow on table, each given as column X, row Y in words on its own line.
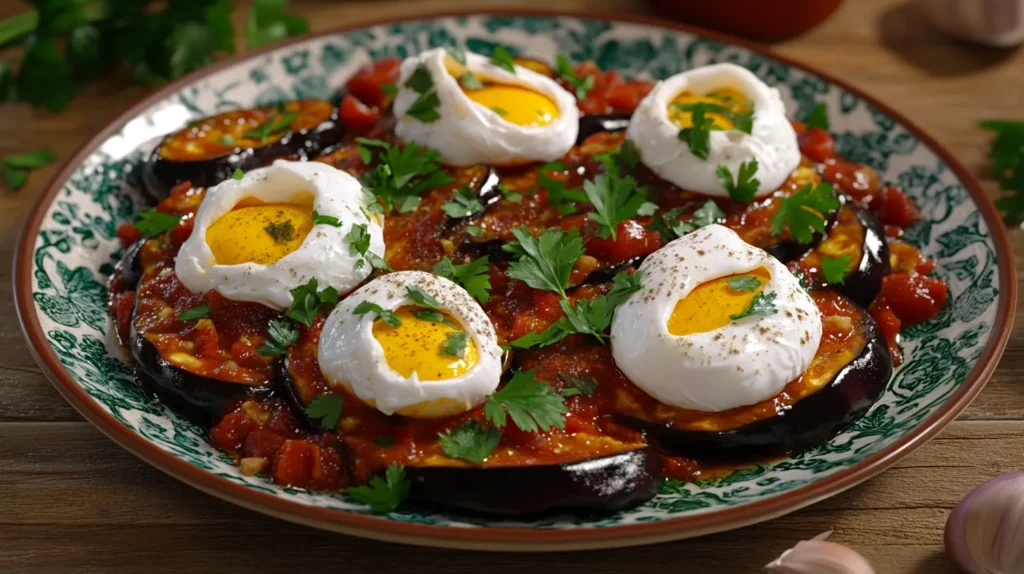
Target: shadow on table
column 905, row 33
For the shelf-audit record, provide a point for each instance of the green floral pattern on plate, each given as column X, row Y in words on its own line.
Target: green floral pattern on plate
column 77, row 245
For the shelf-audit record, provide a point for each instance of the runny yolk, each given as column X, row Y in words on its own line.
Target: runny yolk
column 679, row 111
column 260, row 233
column 516, row 104
column 417, row 345
column 710, row 304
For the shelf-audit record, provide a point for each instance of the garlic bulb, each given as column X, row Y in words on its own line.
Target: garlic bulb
column 819, row 556
column 985, row 532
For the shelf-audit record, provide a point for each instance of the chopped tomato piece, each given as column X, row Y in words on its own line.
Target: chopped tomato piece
column 357, row 116
column 890, row 326
column 893, row 207
column 625, row 97
column 908, row 259
column 816, row 144
column 231, row 431
column 365, row 84
column 183, row 230
column 913, row 298
column 262, row 442
column 858, row 180
column 306, row 465
column 128, row 234
column 631, row 239
column 121, row 308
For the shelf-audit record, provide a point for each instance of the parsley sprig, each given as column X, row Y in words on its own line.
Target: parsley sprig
column 532, row 404
column 501, row 58
column 424, row 108
column 464, row 203
column 380, row 313
column 308, row 300
column 698, row 137
column 400, row 175
column 760, row 304
column 152, row 223
column 671, row 228
column 327, row 408
column 473, row 276
column 745, row 186
column 359, row 242
column 277, row 122
column 562, row 199
column 281, row 335
column 743, row 283
column 1007, row 156
column 804, row 212
column 818, row 118
column 470, row 441
column 835, row 269
column 419, row 296
column 383, row 495
column 194, row 313
column 565, row 71
column 741, row 121
column 577, row 385
column 455, row 344
column 544, row 262
column 615, row 199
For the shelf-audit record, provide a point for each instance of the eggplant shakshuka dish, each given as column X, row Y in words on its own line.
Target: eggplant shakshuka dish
column 506, row 286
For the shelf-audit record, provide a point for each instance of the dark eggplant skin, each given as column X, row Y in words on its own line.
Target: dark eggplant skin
column 809, row 422
column 604, row 484
column 590, row 125
column 200, row 399
column 159, row 174
column 864, row 283
column 129, row 267
column 489, row 191
column 789, row 249
column 284, row 386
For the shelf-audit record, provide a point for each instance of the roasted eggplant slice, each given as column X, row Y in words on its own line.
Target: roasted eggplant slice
column 606, row 483
column 850, row 372
column 590, row 125
column 129, row 268
column 208, row 151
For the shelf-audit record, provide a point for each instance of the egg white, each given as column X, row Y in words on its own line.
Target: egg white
column 468, row 133
column 351, row 357
column 745, row 362
column 771, row 141
column 324, row 255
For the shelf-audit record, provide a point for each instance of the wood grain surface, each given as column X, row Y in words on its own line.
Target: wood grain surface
column 72, row 501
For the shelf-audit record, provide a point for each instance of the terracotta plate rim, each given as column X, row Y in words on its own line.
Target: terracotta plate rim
column 518, row 539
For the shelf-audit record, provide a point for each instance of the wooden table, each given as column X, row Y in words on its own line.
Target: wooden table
column 71, row 500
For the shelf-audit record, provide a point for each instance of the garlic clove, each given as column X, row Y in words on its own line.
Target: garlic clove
column 985, row 532
column 819, row 556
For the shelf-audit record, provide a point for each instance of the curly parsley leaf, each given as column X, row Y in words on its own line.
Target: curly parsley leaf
column 835, row 269
column 501, row 58
column 532, row 404
column 194, row 313
column 470, row 441
column 327, row 408
column 319, row 219
column 565, row 71
column 745, row 186
column 615, row 199
column 420, row 297
column 698, row 137
column 400, row 175
column 743, row 283
column 455, row 344
column 307, row 301
column 1007, row 156
column 380, row 313
column 818, row 118
column 577, row 385
column 544, row 262
column 464, row 203
column 804, row 212
column 281, row 335
column 383, row 495
column 473, row 276
column 760, row 304
column 152, row 223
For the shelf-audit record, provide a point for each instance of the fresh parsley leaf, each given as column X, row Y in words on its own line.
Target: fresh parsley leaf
column 464, row 203
column 532, row 404
column 744, row 283
column 474, row 230
column 389, row 90
column 455, row 344
column 358, row 238
column 15, row 177
column 760, row 304
column 470, row 441
column 554, row 333
column 1007, row 156
column 277, row 122
column 281, row 335
column 818, row 118
column 400, row 175
column 327, row 408
column 319, row 219
column 615, row 199
column 544, row 262
column 804, row 212
column 280, row 231
column 380, row 313
column 698, row 137
column 383, row 495
column 238, row 174
column 835, row 269
column 420, row 297
column 500, row 111
column 31, row 160
column 501, row 58
column 269, row 23
column 745, row 186
column 194, row 313
column 510, row 195
column 565, row 71
column 434, row 317
column 628, row 155
column 425, row 107
column 473, row 276
column 578, row 385
column 457, row 54
column 152, row 223
column 307, row 300
column 562, row 199
column 470, row 82
column 742, row 122
column 420, row 80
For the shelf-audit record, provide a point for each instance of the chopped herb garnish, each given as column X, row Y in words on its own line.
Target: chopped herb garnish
column 194, row 313
column 327, row 408
column 742, row 122
column 562, row 199
column 698, row 137
column 425, row 107
column 473, row 276
column 615, row 199
column 281, row 231
column 400, row 175
column 818, row 118
column 275, row 123
column 744, row 283
column 760, row 304
column 319, row 219
column 470, row 82
column 390, row 90
column 383, row 495
column 577, row 385
column 804, row 212
column 510, row 195
column 380, row 313
column 464, row 203
column 420, row 297
column 544, row 262
column 282, row 334
column 835, row 269
column 238, row 174
column 457, row 54
column 434, row 317
column 455, row 344
column 420, row 80
column 499, row 111
column 307, row 300
column 565, row 71
column 15, row 167
column 532, row 404
column 745, row 187
column 153, row 223
column 474, row 230
column 470, row 441
column 501, row 58
column 359, row 242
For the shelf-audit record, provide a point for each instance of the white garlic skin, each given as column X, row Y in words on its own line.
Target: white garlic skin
column 820, row 557
column 985, row 532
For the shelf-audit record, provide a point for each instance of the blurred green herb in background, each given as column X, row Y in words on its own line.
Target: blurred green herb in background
column 1007, row 155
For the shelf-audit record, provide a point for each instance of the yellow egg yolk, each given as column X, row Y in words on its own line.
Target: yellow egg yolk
column 260, row 233
column 680, row 114
column 515, row 104
column 418, row 345
column 709, row 305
